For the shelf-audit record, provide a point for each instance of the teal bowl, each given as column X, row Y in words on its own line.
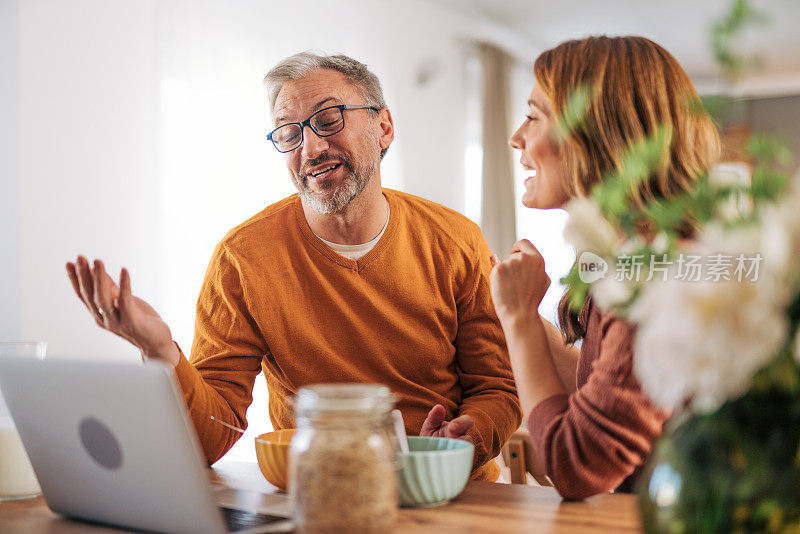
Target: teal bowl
column 434, row 470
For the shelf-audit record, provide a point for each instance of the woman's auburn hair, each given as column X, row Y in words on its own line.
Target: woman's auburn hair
column 636, row 88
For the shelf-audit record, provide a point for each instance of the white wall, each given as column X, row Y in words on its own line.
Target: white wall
column 9, row 172
column 87, row 168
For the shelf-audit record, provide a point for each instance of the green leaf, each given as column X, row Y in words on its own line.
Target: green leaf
column 727, row 30
column 578, row 289
column 574, row 112
column 769, row 150
column 714, row 105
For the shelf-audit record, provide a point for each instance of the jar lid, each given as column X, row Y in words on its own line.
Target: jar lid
column 343, row 398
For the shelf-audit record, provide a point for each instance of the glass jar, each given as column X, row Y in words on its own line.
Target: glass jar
column 342, row 460
column 17, row 479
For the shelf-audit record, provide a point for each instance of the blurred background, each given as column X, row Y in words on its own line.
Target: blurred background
column 133, row 130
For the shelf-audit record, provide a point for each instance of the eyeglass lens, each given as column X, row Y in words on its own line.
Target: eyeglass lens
column 324, row 122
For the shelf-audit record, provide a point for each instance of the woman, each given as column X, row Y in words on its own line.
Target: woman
column 595, row 439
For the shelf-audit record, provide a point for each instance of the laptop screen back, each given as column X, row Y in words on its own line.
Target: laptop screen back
column 111, row 442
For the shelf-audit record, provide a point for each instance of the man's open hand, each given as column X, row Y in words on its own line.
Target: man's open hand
column 436, row 426
column 115, row 309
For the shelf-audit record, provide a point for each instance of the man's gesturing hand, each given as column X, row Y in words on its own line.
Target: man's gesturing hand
column 115, row 309
column 436, row 426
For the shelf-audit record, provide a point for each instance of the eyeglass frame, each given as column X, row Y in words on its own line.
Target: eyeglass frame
column 341, row 107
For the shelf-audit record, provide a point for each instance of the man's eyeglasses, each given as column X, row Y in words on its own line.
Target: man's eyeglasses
column 325, row 122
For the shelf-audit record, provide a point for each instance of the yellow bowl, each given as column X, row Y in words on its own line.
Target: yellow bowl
column 272, row 451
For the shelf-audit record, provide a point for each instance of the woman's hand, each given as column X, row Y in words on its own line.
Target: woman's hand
column 519, row 283
column 115, row 309
column 518, row 286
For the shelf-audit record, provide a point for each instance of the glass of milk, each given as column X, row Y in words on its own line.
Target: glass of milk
column 17, row 479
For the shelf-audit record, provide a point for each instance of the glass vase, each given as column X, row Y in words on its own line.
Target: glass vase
column 734, row 470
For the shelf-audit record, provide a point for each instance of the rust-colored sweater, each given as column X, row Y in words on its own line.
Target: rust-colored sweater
column 415, row 313
column 595, row 439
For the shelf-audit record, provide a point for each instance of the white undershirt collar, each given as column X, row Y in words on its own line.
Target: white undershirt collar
column 356, row 252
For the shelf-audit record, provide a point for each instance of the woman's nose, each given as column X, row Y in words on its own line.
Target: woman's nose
column 516, row 140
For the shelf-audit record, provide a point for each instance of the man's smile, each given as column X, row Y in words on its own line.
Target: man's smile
column 321, row 172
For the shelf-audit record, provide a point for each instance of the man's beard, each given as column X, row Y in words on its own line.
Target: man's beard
column 332, row 197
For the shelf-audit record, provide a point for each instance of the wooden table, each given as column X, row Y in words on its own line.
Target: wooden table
column 483, row 507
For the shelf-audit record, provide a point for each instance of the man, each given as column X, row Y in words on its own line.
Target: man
column 343, row 282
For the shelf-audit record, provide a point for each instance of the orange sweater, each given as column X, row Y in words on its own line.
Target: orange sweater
column 414, row 313
column 597, row 438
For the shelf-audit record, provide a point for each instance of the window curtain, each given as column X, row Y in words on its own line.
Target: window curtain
column 498, row 219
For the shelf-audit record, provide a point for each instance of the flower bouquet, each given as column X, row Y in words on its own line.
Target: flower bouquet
column 717, row 310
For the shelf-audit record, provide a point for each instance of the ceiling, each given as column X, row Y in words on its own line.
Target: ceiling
column 681, row 26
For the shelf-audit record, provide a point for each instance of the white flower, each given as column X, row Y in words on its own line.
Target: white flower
column 732, row 174
column 611, row 294
column 631, row 245
column 660, row 243
column 716, row 238
column 780, row 236
column 776, row 240
column 587, row 229
column 705, row 340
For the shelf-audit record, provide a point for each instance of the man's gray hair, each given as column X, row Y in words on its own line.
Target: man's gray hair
column 299, row 65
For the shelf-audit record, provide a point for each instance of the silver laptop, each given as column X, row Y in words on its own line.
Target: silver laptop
column 112, row 443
